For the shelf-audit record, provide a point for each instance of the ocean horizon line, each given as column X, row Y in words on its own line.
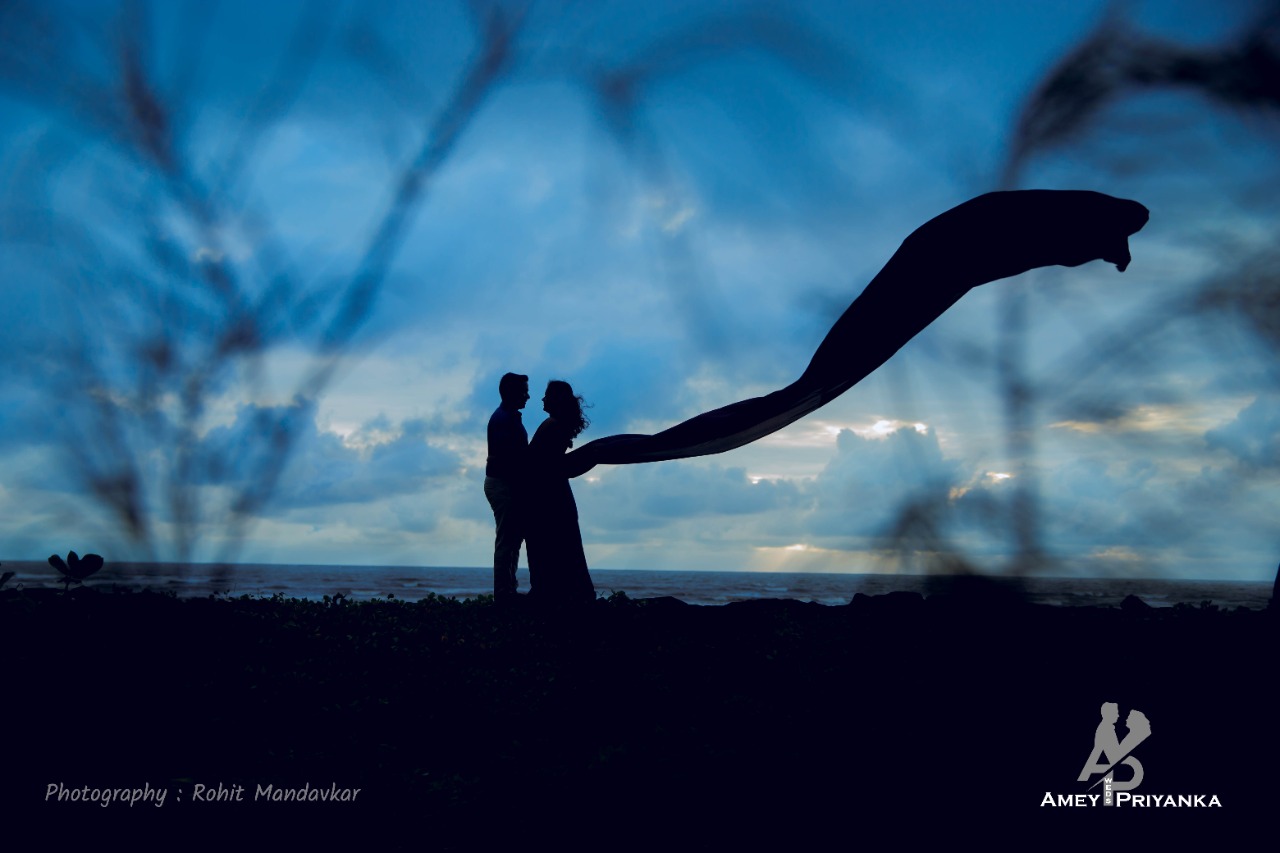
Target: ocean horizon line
column 995, row 574
column 704, row 586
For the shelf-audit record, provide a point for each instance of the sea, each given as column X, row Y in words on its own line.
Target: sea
column 693, row 587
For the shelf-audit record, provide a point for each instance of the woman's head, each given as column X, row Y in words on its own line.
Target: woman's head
column 562, row 404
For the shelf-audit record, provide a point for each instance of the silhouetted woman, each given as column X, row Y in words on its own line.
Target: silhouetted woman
column 557, row 564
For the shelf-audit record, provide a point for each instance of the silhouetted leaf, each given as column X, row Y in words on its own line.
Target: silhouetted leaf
column 75, row 567
column 89, row 564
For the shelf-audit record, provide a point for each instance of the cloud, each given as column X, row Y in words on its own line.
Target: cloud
column 1253, row 437
column 863, row 488
column 378, row 461
column 1093, row 503
column 632, row 497
column 543, row 246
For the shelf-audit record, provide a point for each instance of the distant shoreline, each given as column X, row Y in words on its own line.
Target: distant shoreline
column 159, row 564
column 693, row 587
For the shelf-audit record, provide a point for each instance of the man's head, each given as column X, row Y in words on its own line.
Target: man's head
column 514, row 389
column 1110, row 712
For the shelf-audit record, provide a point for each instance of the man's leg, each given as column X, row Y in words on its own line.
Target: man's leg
column 506, row 542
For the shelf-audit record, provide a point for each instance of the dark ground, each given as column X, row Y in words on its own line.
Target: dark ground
column 896, row 717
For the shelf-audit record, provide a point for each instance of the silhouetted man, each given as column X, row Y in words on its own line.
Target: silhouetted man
column 504, row 481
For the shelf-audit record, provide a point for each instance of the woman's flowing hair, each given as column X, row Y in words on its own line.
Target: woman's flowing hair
column 566, row 406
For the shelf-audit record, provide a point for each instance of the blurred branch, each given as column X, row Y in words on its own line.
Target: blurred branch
column 622, row 86
column 491, row 62
column 172, row 311
column 200, row 314
column 1113, row 62
column 1116, row 61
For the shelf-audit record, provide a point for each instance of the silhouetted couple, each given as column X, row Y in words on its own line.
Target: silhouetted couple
column 987, row 238
column 527, row 485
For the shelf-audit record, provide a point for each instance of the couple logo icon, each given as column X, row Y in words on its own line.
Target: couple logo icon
column 1110, row 752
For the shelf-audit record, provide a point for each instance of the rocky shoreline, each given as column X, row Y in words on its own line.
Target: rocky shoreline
column 899, row 712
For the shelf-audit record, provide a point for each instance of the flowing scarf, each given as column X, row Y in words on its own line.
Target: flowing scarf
column 987, row 238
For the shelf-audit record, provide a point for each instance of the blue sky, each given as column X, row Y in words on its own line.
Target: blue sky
column 666, row 204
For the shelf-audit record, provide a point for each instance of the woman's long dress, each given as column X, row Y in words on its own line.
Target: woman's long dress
column 557, row 563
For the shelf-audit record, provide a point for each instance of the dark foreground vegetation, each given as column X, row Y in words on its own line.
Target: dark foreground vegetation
column 460, row 722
